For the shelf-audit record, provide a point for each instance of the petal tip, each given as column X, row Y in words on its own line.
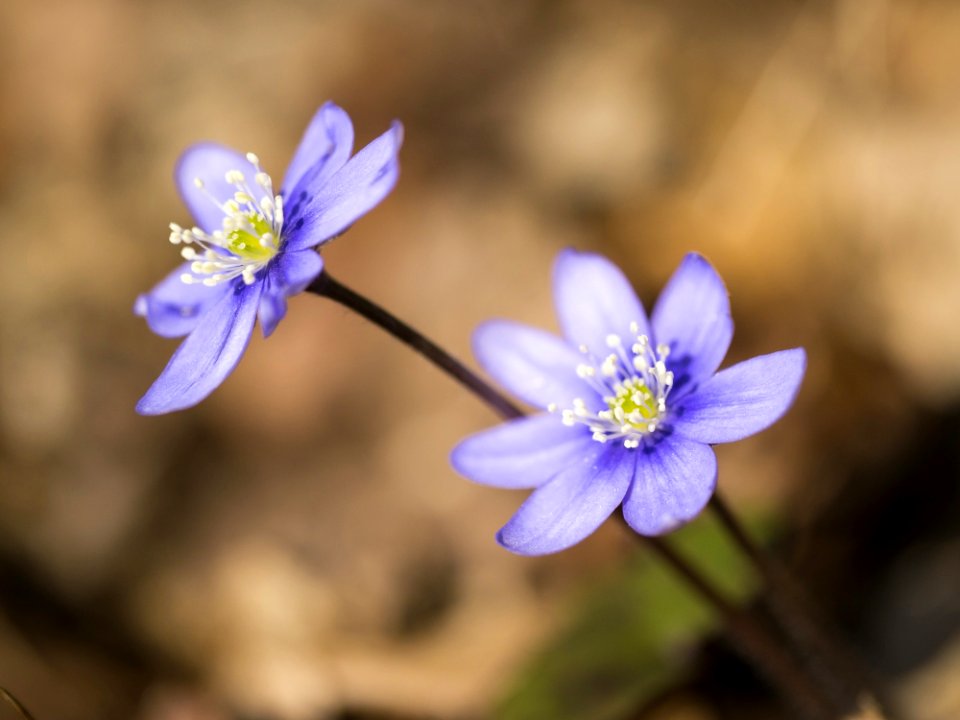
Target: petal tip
column 456, row 458
column 396, row 127
column 505, row 543
column 483, row 332
column 148, row 407
column 663, row 525
column 568, row 259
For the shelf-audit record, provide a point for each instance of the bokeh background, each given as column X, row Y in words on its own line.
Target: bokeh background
column 297, row 547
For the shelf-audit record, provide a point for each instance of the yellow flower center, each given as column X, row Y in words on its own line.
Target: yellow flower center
column 633, row 382
column 248, row 239
column 633, row 405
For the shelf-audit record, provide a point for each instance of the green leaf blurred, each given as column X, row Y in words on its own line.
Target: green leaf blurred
column 625, row 642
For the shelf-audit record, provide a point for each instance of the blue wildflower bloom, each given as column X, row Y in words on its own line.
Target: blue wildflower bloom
column 251, row 249
column 633, row 404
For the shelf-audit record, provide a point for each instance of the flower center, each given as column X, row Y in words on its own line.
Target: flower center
column 634, row 383
column 248, row 239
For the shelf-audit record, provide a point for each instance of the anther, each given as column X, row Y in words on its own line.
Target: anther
column 249, row 236
column 609, row 367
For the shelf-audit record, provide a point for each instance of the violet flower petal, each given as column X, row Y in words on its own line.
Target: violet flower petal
column 674, row 479
column 522, row 453
column 573, row 505
column 173, row 308
column 208, row 354
column 692, row 316
column 743, row 399
column 537, row 367
column 210, row 162
column 325, row 147
column 594, row 300
column 287, row 275
column 327, row 210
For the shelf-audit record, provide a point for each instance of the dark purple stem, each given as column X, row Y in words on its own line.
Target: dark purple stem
column 749, row 635
column 330, row 288
column 834, row 666
column 15, row 704
column 754, row 642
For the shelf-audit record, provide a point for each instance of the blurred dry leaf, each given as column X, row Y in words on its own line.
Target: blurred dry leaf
column 869, row 710
column 302, row 527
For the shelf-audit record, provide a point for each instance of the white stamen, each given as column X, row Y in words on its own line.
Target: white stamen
column 634, row 383
column 228, row 253
column 609, row 367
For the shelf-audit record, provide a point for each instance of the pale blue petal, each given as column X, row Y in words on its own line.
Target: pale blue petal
column 594, row 299
column 674, row 480
column 522, row 453
column 537, row 367
column 743, row 399
column 210, row 162
column 692, row 317
column 173, row 308
column 208, row 355
column 287, row 275
column 273, row 308
column 325, row 147
column 319, row 212
column 570, row 507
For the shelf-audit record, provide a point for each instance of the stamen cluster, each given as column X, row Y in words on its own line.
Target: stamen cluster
column 248, row 240
column 633, row 383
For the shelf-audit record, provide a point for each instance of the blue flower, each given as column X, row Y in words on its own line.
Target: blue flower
column 633, row 404
column 251, row 249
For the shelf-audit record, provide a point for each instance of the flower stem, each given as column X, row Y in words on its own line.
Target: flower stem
column 15, row 704
column 834, row 667
column 328, row 287
column 749, row 634
column 753, row 641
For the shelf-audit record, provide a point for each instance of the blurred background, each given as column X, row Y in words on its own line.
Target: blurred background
column 297, row 547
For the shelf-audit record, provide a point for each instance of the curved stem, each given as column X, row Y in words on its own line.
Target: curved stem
column 749, row 634
column 834, row 667
column 330, row 288
column 752, row 640
column 15, row 704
